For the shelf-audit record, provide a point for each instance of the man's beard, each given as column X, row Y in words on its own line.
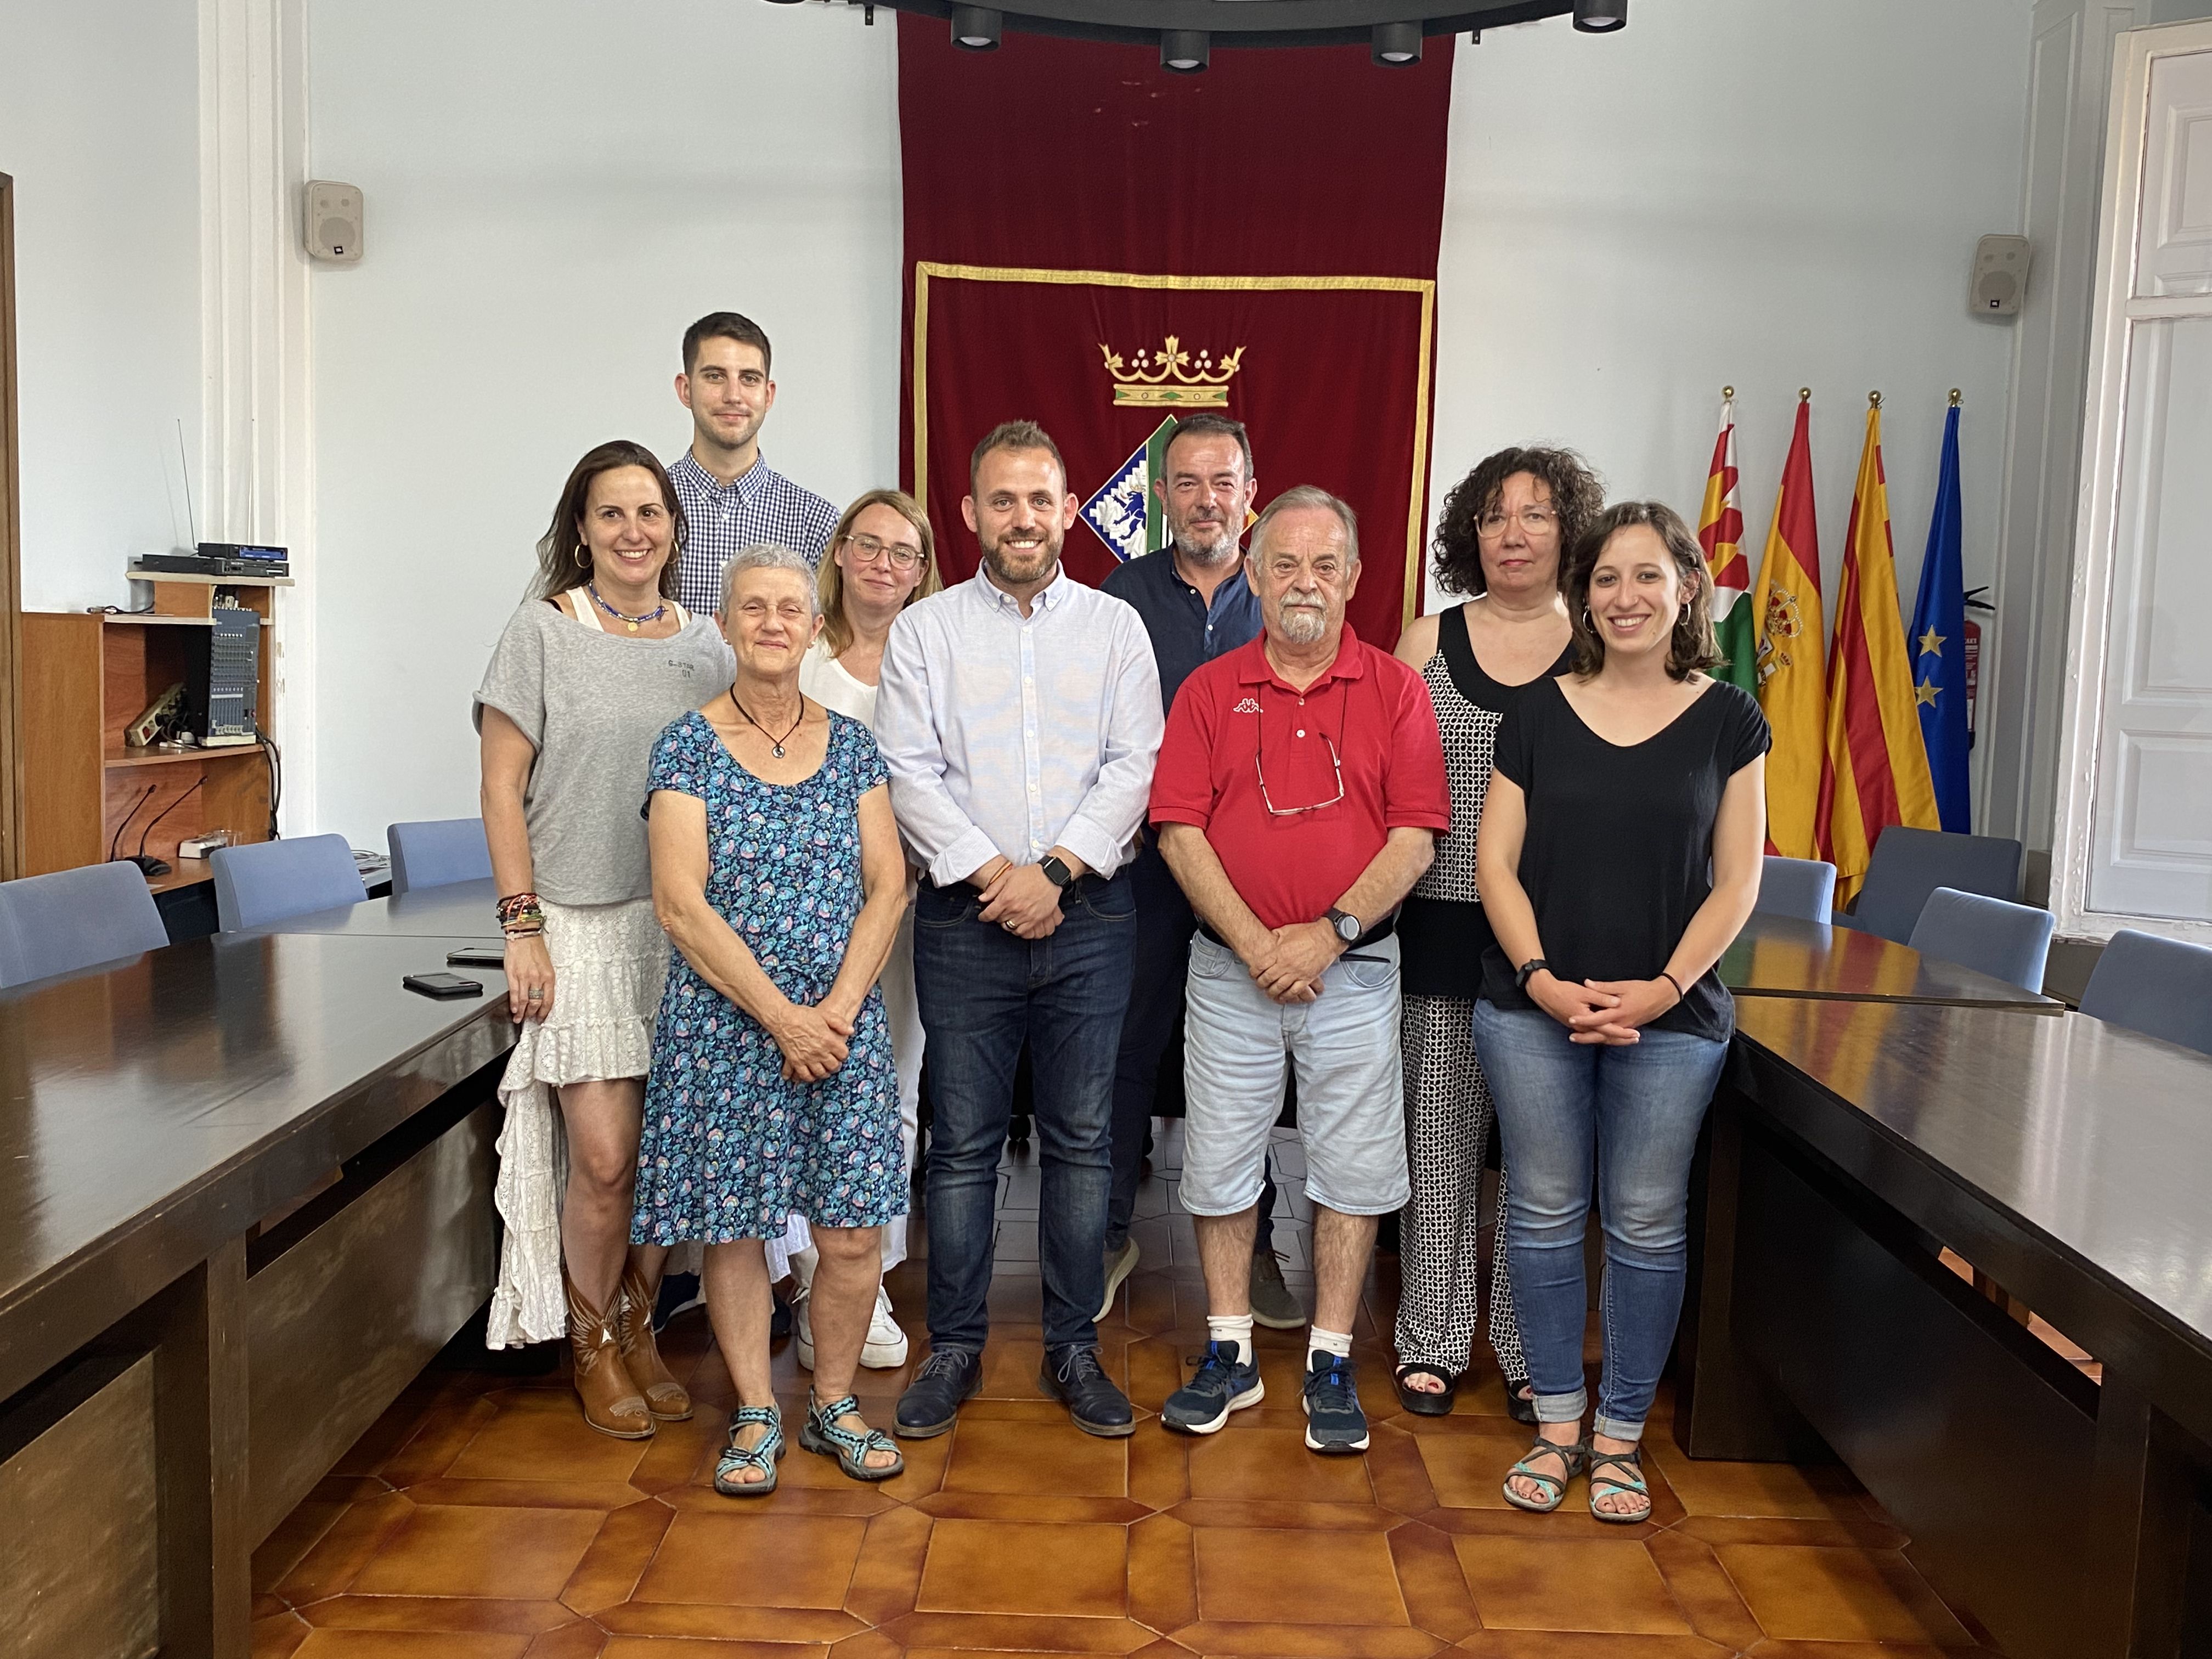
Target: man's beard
column 1303, row 625
column 1017, row 567
column 1218, row 551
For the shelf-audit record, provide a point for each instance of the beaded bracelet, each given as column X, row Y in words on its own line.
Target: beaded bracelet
column 517, row 904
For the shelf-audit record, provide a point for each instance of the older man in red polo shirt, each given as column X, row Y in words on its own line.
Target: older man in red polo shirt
column 1298, row 795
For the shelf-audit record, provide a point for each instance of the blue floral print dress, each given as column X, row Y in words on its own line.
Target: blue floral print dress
column 730, row 1149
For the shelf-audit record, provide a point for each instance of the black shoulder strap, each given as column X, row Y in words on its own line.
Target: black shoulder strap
column 1466, row 675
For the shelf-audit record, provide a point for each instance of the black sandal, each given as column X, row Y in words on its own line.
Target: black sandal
column 1520, row 1407
column 1419, row 1401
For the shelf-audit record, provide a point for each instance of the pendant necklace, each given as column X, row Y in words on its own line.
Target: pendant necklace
column 654, row 614
column 776, row 744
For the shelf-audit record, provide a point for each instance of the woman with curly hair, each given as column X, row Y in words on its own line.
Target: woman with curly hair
column 1499, row 544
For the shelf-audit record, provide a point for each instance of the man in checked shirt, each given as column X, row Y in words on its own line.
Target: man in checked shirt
column 732, row 498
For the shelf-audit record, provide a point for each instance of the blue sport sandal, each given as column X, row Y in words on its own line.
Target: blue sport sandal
column 1573, row 1457
column 850, row 1447
column 736, row 1459
column 1603, row 1484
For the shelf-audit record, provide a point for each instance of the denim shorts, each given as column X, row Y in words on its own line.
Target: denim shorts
column 1239, row 1046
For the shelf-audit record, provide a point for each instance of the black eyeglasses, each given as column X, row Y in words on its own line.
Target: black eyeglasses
column 1274, row 810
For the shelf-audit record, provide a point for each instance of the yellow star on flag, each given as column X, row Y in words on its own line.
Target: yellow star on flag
column 1925, row 692
column 1932, row 645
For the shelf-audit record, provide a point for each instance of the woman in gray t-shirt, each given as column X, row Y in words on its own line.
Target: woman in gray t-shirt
column 589, row 670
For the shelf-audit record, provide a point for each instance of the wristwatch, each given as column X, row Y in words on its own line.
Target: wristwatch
column 1345, row 924
column 1056, row 871
column 1530, row 969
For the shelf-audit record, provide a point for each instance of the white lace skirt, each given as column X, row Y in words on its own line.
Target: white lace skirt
column 610, row 963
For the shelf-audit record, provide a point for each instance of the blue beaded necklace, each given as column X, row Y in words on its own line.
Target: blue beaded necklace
column 654, row 614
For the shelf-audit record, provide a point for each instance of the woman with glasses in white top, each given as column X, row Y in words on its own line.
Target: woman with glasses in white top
column 882, row 557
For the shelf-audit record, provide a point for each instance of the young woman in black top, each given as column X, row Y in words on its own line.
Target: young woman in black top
column 1602, row 1025
column 1500, row 539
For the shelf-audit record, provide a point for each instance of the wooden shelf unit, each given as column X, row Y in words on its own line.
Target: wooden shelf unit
column 87, row 675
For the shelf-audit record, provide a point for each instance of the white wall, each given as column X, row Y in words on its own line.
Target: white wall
column 553, row 192
column 100, row 127
column 1767, row 193
column 1761, row 194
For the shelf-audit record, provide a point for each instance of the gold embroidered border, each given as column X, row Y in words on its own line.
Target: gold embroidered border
column 925, row 270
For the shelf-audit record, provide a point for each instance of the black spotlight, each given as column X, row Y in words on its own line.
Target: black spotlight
column 1600, row 16
column 1397, row 46
column 975, row 29
column 1183, row 51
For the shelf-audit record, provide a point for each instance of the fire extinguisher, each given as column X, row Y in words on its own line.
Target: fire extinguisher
column 1974, row 602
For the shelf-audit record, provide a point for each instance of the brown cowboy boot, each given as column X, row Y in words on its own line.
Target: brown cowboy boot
column 612, row 1404
column 664, row 1396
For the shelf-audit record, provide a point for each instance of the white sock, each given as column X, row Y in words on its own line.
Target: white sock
column 1236, row 1331
column 1338, row 1343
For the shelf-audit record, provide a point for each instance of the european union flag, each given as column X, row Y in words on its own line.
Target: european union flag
column 1938, row 645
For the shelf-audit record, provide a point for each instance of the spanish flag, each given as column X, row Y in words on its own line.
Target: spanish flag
column 1877, row 763
column 1720, row 532
column 1791, row 690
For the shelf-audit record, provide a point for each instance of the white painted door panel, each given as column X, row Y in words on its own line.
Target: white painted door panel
column 2173, row 255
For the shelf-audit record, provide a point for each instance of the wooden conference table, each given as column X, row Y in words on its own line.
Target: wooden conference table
column 175, row 1375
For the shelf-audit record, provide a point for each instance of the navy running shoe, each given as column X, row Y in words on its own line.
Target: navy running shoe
column 1225, row 1381
column 1335, row 1427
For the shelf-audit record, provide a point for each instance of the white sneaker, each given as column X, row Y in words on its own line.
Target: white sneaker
column 884, row 1350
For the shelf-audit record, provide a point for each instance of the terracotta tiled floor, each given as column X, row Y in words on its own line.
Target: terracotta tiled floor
column 479, row 1519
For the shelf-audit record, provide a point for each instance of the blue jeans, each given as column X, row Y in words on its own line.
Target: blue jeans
column 983, row 992
column 1624, row 1121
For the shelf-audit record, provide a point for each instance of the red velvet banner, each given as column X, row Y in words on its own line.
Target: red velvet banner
column 1071, row 210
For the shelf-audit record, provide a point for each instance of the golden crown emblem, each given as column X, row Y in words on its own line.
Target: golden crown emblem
column 1170, row 375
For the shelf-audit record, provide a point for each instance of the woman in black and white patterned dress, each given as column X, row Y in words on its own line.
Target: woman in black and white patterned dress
column 1498, row 542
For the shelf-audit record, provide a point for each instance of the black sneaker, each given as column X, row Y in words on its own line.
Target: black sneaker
column 1225, row 1381
column 931, row 1403
column 1335, row 1427
column 1074, row 1376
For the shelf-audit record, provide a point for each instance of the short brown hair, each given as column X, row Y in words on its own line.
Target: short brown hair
column 1203, row 425
column 727, row 326
column 1015, row 435
column 1578, row 496
column 829, row 581
column 1691, row 646
column 564, row 560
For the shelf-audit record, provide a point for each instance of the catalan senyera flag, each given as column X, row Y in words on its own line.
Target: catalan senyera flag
column 1877, row 763
column 1720, row 532
column 1792, row 690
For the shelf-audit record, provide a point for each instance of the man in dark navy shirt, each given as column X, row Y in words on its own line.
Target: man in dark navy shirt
column 1196, row 605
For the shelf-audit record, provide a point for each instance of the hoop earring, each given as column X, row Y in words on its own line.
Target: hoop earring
column 582, row 561
column 1589, row 627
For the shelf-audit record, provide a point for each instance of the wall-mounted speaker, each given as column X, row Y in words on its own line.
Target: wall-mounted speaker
column 333, row 221
column 2000, row 276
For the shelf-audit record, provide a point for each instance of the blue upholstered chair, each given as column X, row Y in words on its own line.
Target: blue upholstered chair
column 437, row 853
column 1908, row 865
column 72, row 918
column 2004, row 940
column 2159, row 986
column 267, row 881
column 1803, row 888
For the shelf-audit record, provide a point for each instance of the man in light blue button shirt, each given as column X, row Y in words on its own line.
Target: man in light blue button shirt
column 1020, row 713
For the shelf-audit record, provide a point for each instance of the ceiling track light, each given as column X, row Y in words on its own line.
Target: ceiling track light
column 1600, row 16
column 977, row 28
column 1397, row 46
column 1184, row 52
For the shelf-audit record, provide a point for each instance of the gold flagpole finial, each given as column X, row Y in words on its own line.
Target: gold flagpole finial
column 1804, row 394
column 1728, row 394
column 1873, row 400
column 1957, row 396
